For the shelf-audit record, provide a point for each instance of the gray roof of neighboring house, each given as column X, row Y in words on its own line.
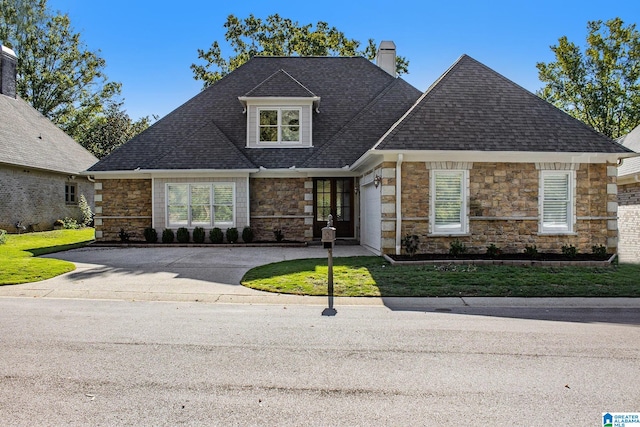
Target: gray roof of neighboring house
column 472, row 107
column 209, row 131
column 632, row 142
column 28, row 139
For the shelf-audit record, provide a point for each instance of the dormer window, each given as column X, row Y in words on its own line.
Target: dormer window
column 280, row 113
column 279, row 125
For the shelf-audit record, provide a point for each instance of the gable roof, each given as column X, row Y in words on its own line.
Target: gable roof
column 28, row 139
column 472, row 107
column 632, row 142
column 348, row 86
column 280, row 84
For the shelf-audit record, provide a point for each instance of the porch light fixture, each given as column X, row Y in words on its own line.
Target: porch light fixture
column 377, row 180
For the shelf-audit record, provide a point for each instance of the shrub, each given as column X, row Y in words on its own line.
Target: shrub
column 124, row 236
column 3, row 237
column 58, row 223
column 167, row 235
column 232, row 235
column 569, row 251
column 278, row 234
column 247, row 235
column 493, row 251
column 215, row 235
column 198, row 235
column 531, row 252
column 70, row 224
column 457, row 248
column 182, row 235
column 599, row 250
column 411, row 243
column 87, row 215
column 150, row 235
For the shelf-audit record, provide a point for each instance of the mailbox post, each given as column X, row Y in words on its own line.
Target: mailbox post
column 328, row 240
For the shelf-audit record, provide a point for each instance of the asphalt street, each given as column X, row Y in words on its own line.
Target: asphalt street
column 108, row 363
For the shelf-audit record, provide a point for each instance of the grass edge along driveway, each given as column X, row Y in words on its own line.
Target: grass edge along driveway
column 373, row 276
column 18, row 262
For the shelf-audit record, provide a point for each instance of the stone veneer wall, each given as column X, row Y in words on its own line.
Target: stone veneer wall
column 282, row 203
column 122, row 204
column 629, row 222
column 36, row 198
column 503, row 208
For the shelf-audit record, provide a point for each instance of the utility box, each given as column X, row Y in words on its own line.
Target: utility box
column 328, row 237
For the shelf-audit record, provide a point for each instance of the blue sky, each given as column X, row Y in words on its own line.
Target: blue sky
column 149, row 45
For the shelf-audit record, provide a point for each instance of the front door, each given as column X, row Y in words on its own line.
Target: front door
column 333, row 196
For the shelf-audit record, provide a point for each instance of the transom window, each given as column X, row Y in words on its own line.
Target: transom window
column 207, row 204
column 279, row 125
column 556, row 201
column 449, row 201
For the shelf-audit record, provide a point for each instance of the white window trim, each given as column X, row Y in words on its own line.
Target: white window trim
column 464, row 220
column 212, row 223
column 279, row 142
column 571, row 219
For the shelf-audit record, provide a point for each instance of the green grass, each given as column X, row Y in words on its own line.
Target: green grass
column 373, row 276
column 17, row 256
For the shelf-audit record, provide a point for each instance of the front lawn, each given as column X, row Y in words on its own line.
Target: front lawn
column 373, row 276
column 17, row 256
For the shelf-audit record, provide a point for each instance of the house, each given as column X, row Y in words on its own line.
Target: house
column 629, row 200
column 282, row 142
column 40, row 165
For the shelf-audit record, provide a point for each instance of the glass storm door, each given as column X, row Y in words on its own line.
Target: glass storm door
column 333, row 196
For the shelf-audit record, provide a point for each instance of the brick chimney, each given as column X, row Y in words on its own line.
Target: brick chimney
column 386, row 57
column 8, row 65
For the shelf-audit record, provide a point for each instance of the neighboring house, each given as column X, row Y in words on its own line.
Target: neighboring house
column 629, row 200
column 40, row 165
column 282, row 142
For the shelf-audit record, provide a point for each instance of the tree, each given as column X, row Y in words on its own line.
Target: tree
column 57, row 74
column 109, row 130
column 601, row 86
column 277, row 36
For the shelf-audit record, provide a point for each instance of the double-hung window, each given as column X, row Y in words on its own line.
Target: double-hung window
column 198, row 205
column 279, row 125
column 448, row 213
column 556, row 201
column 70, row 193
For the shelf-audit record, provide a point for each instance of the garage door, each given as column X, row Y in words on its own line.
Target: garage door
column 370, row 217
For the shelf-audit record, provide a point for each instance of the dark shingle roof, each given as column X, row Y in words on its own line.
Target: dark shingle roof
column 280, row 84
column 29, row 139
column 184, row 139
column 471, row 107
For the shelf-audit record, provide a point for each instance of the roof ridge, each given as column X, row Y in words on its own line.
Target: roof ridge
column 353, row 119
column 411, row 111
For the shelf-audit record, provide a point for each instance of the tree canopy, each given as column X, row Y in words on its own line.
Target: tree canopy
column 600, row 85
column 277, row 36
column 110, row 130
column 58, row 75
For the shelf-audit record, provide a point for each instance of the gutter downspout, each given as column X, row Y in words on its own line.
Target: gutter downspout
column 399, row 204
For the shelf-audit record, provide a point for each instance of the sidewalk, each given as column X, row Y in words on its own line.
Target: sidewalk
column 212, row 275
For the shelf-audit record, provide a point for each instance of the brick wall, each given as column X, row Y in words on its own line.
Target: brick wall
column 283, row 203
column 503, row 208
column 122, row 204
column 629, row 222
column 37, row 198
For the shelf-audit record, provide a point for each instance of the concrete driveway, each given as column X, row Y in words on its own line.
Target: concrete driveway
column 208, row 274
